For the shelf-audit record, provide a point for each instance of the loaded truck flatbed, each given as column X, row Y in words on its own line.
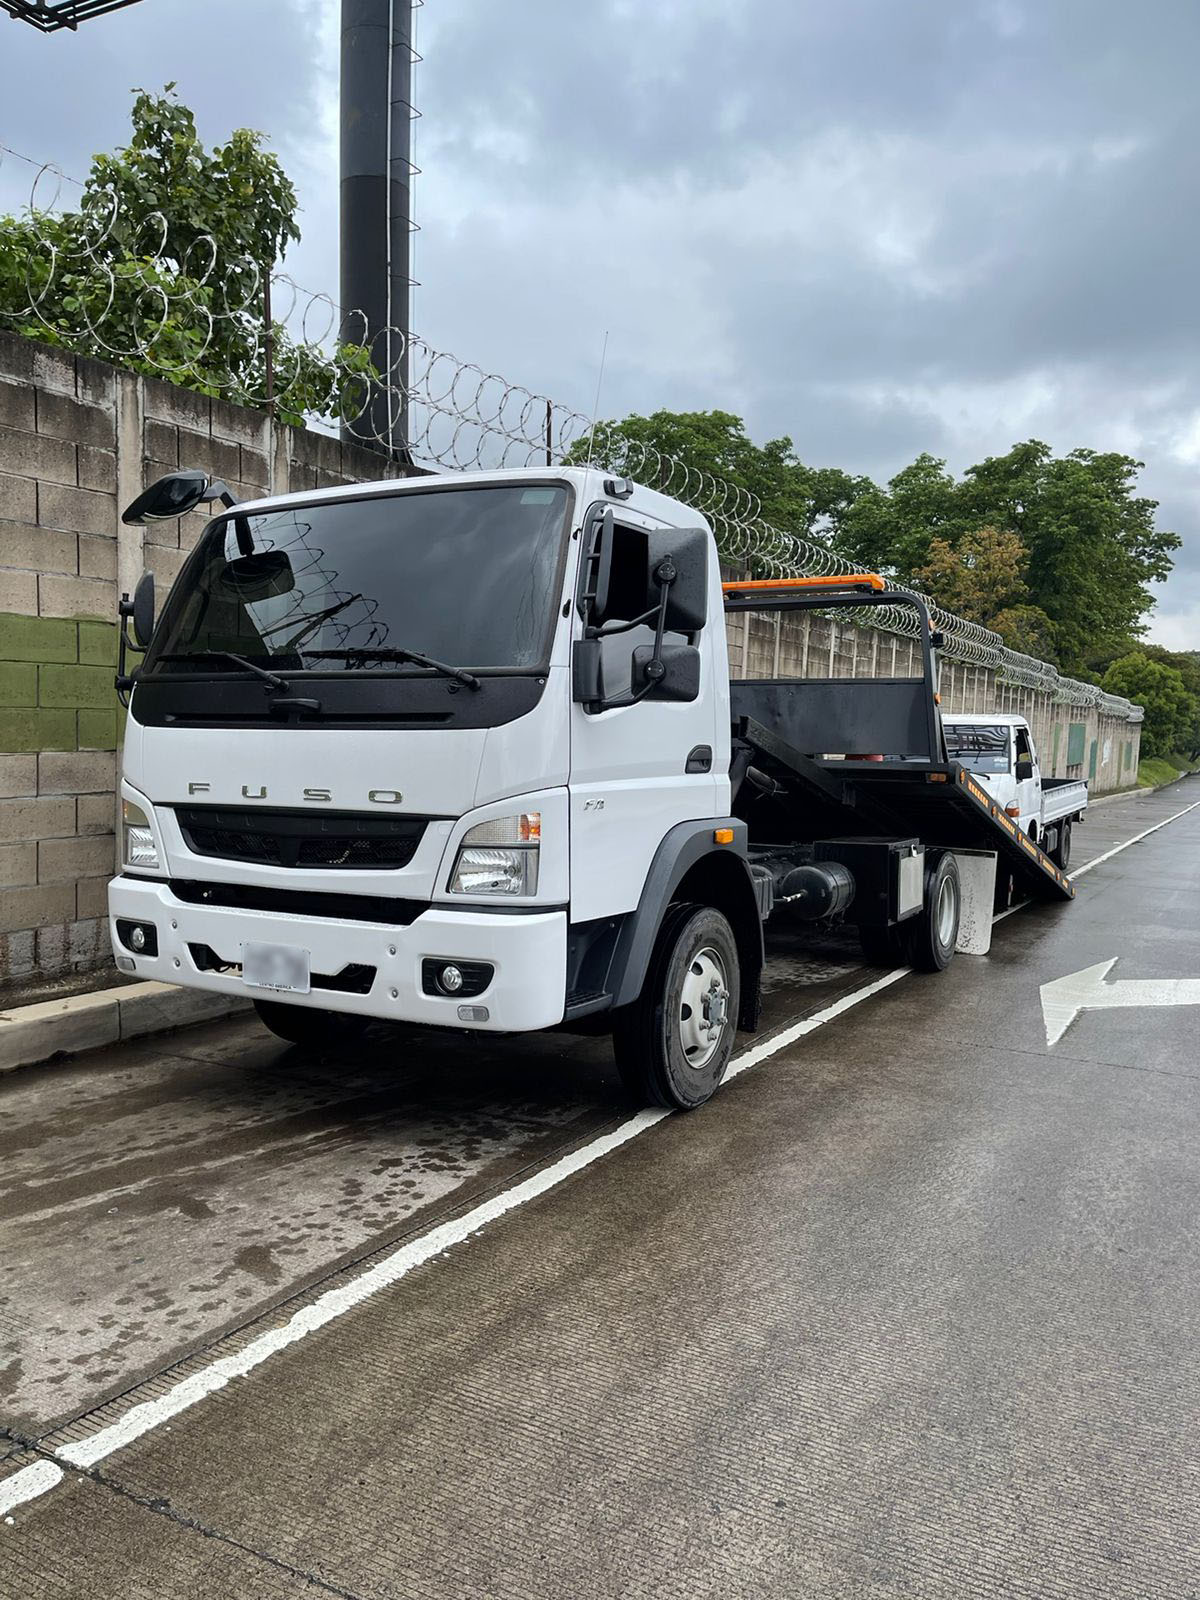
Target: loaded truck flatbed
column 463, row 752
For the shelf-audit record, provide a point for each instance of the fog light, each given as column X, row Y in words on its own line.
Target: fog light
column 141, row 937
column 451, row 979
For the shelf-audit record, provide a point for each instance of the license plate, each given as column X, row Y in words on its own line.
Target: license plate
column 275, row 966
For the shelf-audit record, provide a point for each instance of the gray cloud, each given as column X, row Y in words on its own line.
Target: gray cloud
column 880, row 228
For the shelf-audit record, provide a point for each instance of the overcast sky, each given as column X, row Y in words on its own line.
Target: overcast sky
column 877, row 226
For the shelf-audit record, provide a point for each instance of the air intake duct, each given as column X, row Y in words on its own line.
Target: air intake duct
column 821, row 889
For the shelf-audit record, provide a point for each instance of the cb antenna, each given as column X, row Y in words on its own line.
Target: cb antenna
column 596, row 406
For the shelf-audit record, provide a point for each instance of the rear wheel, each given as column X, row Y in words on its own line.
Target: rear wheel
column 673, row 1044
column 315, row 1030
column 935, row 928
column 1061, row 854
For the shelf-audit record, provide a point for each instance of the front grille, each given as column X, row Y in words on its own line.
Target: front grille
column 300, row 838
column 299, row 902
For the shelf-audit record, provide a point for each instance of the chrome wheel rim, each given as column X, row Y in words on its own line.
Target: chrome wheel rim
column 947, row 911
column 703, row 1008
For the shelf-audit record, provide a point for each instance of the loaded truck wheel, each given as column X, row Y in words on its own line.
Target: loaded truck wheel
column 935, row 928
column 674, row 1042
column 1061, row 854
column 317, row 1030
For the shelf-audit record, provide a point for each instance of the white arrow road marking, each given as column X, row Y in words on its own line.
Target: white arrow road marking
column 1065, row 998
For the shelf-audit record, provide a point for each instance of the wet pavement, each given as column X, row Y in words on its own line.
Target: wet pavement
column 910, row 1309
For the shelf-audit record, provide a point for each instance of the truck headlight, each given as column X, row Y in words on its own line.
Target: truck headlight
column 499, row 857
column 138, row 837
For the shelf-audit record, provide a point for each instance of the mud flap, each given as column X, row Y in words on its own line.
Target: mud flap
column 977, row 880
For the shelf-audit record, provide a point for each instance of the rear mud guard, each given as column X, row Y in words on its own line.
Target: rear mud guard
column 977, row 879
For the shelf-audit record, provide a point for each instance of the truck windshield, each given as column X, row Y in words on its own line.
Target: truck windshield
column 979, row 749
column 466, row 577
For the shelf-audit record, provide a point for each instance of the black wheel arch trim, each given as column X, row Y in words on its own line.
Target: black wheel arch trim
column 681, row 849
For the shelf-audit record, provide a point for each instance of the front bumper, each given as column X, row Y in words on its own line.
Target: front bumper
column 528, row 952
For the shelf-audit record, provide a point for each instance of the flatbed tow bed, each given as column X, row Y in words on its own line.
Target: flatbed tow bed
column 897, row 841
column 929, row 799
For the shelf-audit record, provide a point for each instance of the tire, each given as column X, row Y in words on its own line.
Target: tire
column 666, row 1054
column 312, row 1030
column 935, row 928
column 1061, row 854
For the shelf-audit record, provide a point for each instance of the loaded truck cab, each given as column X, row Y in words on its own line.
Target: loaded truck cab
column 1001, row 753
column 463, row 752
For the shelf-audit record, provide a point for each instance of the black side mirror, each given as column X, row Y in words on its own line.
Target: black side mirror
column 143, row 609
column 642, row 562
column 176, row 495
column 172, row 496
column 681, row 556
column 674, row 675
column 1024, row 769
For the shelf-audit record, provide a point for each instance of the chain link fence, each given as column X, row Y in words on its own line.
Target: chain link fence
column 257, row 338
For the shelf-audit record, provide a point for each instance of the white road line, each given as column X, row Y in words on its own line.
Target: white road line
column 35, row 1480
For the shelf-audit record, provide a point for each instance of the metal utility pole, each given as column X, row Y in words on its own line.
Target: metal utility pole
column 376, row 207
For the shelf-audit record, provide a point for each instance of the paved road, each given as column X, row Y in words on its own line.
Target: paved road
column 909, row 1310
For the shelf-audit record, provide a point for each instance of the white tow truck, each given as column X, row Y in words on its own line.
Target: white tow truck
column 1000, row 751
column 463, row 752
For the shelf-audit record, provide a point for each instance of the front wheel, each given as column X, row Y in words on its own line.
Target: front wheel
column 935, row 927
column 673, row 1044
column 315, row 1030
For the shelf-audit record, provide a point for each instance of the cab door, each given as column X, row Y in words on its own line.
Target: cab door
column 637, row 770
column 1029, row 782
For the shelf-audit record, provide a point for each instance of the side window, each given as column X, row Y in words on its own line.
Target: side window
column 616, row 655
column 1024, row 746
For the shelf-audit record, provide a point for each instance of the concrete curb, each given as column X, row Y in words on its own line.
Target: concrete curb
column 33, row 1033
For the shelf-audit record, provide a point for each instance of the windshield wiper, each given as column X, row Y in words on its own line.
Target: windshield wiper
column 395, row 653
column 272, row 678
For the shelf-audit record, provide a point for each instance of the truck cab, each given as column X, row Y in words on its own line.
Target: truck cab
column 443, row 751
column 1001, row 753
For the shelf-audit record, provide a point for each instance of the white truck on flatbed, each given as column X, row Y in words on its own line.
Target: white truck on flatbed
column 1001, row 752
column 463, row 752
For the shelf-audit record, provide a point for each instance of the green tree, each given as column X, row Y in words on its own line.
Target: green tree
column 161, row 268
column 1093, row 548
column 891, row 530
column 1171, row 711
column 1093, row 545
column 1187, row 664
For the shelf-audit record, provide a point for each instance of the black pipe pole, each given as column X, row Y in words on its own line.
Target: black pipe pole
column 400, row 176
column 375, row 194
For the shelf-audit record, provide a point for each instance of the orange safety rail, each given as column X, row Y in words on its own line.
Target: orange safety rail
column 848, row 580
